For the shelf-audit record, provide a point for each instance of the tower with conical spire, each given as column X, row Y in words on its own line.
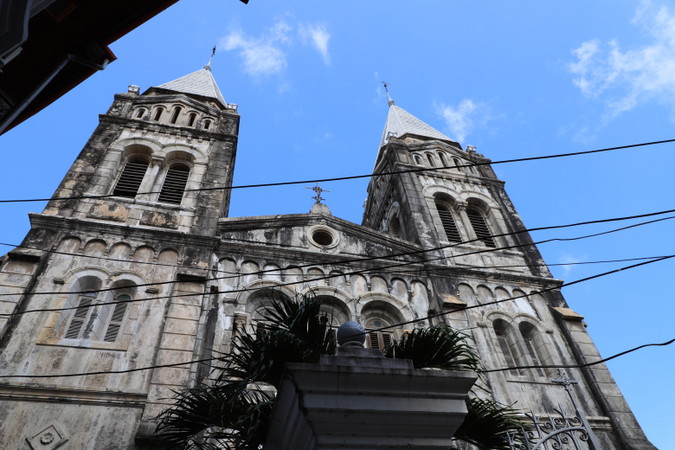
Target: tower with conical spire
column 123, row 250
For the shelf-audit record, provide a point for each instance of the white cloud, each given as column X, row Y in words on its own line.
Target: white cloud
column 568, row 262
column 317, row 35
column 625, row 78
column 263, row 55
column 459, row 119
column 267, row 54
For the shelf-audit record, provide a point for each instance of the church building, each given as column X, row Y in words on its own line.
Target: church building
column 134, row 269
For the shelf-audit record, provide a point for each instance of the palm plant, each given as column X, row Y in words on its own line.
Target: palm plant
column 233, row 411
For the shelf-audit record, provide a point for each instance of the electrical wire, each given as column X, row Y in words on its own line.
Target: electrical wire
column 322, row 278
column 362, row 259
column 354, row 177
column 106, row 372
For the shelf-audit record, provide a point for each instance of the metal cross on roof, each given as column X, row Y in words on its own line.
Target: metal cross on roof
column 318, row 191
column 386, row 89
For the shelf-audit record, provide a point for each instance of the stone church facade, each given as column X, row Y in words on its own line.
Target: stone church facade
column 136, row 264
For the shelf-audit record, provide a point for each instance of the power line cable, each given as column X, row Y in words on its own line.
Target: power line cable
column 354, row 177
column 423, row 251
column 367, row 270
column 579, row 366
column 393, row 326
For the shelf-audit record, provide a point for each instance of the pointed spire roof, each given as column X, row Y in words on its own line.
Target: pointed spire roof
column 199, row 83
column 400, row 122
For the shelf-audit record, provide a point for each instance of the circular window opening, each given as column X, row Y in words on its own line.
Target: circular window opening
column 322, row 237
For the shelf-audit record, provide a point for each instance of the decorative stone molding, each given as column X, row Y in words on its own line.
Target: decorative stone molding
column 50, row 438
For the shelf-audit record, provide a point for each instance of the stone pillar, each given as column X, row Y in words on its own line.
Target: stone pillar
column 359, row 399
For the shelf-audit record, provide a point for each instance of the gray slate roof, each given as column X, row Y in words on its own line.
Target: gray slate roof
column 400, row 122
column 200, row 83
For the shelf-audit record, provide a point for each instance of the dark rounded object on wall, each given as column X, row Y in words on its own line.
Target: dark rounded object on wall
column 351, row 332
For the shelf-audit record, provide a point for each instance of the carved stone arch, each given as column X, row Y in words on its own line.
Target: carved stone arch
column 95, row 247
column 467, row 294
column 337, row 279
column 144, row 253
column 431, row 190
column 70, row 244
column 399, row 288
column 501, row 293
column 522, row 302
column 359, row 285
column 73, row 275
column 271, row 271
column 120, row 250
column 316, row 275
column 129, row 143
column 396, row 304
column 126, row 277
column 249, row 272
column 419, row 300
column 327, row 291
column 378, row 284
column 254, row 292
column 484, row 295
column 184, row 153
column 294, row 275
column 227, row 267
column 168, row 255
column 377, row 312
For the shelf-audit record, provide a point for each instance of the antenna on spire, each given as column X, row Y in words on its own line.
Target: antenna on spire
column 386, row 89
column 213, row 53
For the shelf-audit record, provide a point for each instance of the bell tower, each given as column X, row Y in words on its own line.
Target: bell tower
column 113, row 274
column 487, row 277
column 150, row 157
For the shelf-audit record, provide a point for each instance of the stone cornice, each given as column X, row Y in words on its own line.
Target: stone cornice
column 53, row 394
column 69, row 224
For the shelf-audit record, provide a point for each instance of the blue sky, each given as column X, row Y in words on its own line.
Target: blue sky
column 514, row 79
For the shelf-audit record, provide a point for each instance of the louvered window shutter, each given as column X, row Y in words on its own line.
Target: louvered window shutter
column 76, row 326
column 480, row 227
column 116, row 319
column 174, row 184
column 131, row 178
column 448, row 222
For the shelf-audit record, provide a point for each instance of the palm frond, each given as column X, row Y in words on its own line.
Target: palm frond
column 487, row 423
column 207, row 417
column 438, row 346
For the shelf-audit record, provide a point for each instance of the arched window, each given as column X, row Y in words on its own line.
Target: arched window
column 480, row 226
column 430, row 158
column 77, row 328
column 458, row 164
column 98, row 316
column 131, row 178
column 174, row 183
column 378, row 339
column 176, row 113
column 191, row 119
column 140, row 113
column 158, row 114
column 418, row 160
column 533, row 345
column 395, row 226
column 447, row 220
column 117, row 317
column 444, row 162
column 207, row 124
column 507, row 345
column 380, row 314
